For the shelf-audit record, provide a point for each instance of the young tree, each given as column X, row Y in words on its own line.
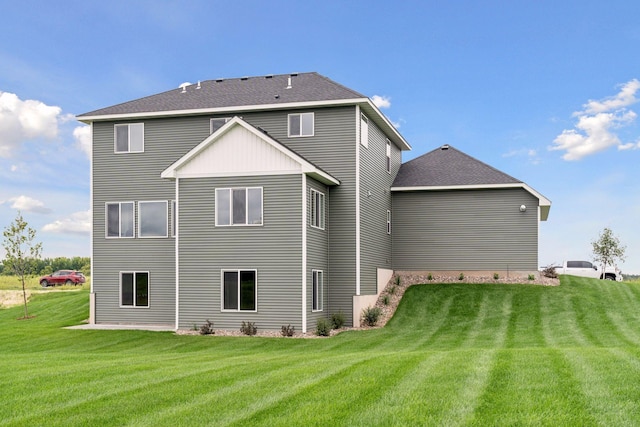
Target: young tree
column 21, row 250
column 607, row 249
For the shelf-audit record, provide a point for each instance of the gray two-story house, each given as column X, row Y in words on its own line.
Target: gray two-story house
column 278, row 200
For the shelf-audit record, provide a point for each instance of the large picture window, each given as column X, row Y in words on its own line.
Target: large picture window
column 119, row 221
column 129, row 138
column 152, row 219
column 301, row 124
column 317, row 209
column 317, row 290
column 134, row 289
column 239, row 289
column 239, row 206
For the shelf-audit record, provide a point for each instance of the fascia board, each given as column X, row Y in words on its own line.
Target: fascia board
column 399, row 139
column 235, row 108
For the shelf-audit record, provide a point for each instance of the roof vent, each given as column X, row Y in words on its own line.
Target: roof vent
column 445, row 147
column 244, row 78
column 268, row 76
column 288, row 83
column 198, row 87
column 183, row 86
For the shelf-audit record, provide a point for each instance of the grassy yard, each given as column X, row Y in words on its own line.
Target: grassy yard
column 456, row 354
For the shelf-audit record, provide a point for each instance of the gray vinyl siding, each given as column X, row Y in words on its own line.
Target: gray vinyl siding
column 317, row 255
column 274, row 250
column 375, row 243
column 465, row 230
column 136, row 177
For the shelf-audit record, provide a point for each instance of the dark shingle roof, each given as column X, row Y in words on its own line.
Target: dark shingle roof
column 446, row 166
column 237, row 92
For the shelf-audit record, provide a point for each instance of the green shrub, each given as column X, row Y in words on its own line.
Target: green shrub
column 461, row 276
column 249, row 328
column 288, row 331
column 370, row 315
column 385, row 300
column 207, row 328
column 398, row 282
column 337, row 320
column 496, row 276
column 531, row 277
column 429, row 276
column 392, row 290
column 323, row 328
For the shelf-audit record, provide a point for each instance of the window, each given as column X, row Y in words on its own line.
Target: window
column 152, row 219
column 364, row 130
column 316, row 293
column 174, row 218
column 388, row 156
column 301, row 124
column 388, row 222
column 317, row 209
column 239, row 206
column 119, row 221
column 134, row 289
column 218, row 123
column 239, row 290
column 129, row 138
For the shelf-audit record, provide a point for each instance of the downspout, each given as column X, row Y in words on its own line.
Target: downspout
column 304, row 253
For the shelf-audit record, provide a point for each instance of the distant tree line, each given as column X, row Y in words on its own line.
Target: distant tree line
column 44, row 266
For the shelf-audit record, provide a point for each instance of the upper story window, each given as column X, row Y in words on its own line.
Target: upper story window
column 388, row 156
column 119, row 221
column 129, row 138
column 152, row 219
column 218, row 123
column 388, row 222
column 301, row 124
column 239, row 206
column 317, row 209
column 364, row 130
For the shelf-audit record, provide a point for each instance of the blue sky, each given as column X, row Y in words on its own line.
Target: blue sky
column 546, row 91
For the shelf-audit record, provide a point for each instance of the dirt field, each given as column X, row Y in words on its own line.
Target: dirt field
column 9, row 298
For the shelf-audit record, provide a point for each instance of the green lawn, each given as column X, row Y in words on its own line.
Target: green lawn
column 454, row 354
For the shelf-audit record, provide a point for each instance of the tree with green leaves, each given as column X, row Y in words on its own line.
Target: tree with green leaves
column 607, row 249
column 21, row 251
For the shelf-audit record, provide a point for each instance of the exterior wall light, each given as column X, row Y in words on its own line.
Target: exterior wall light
column 523, row 208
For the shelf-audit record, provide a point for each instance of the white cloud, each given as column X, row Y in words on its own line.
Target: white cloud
column 82, row 134
column 76, row 223
column 27, row 204
column 23, row 120
column 594, row 131
column 381, row 101
column 630, row 146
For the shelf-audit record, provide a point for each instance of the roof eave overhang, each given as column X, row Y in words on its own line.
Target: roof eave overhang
column 365, row 103
column 543, row 202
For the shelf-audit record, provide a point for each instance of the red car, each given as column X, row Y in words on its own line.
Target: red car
column 63, row 277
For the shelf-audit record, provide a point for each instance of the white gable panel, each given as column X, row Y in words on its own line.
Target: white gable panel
column 239, row 152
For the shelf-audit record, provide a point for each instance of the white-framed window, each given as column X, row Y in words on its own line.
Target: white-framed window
column 301, row 124
column 218, row 123
column 119, row 220
column 364, row 130
column 239, row 290
column 388, row 156
column 129, row 138
column 134, row 289
column 239, row 206
column 152, row 219
column 388, row 222
column 317, row 209
column 317, row 289
column 174, row 218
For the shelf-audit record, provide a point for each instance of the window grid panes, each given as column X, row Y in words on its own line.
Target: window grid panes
column 134, row 289
column 317, row 290
column 239, row 206
column 119, row 221
column 301, row 124
column 317, row 209
column 239, row 290
column 129, row 138
column 152, row 219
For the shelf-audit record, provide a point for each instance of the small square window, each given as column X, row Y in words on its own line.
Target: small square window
column 152, row 219
column 239, row 290
column 301, row 124
column 134, row 289
column 218, row 123
column 119, row 219
column 129, row 138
